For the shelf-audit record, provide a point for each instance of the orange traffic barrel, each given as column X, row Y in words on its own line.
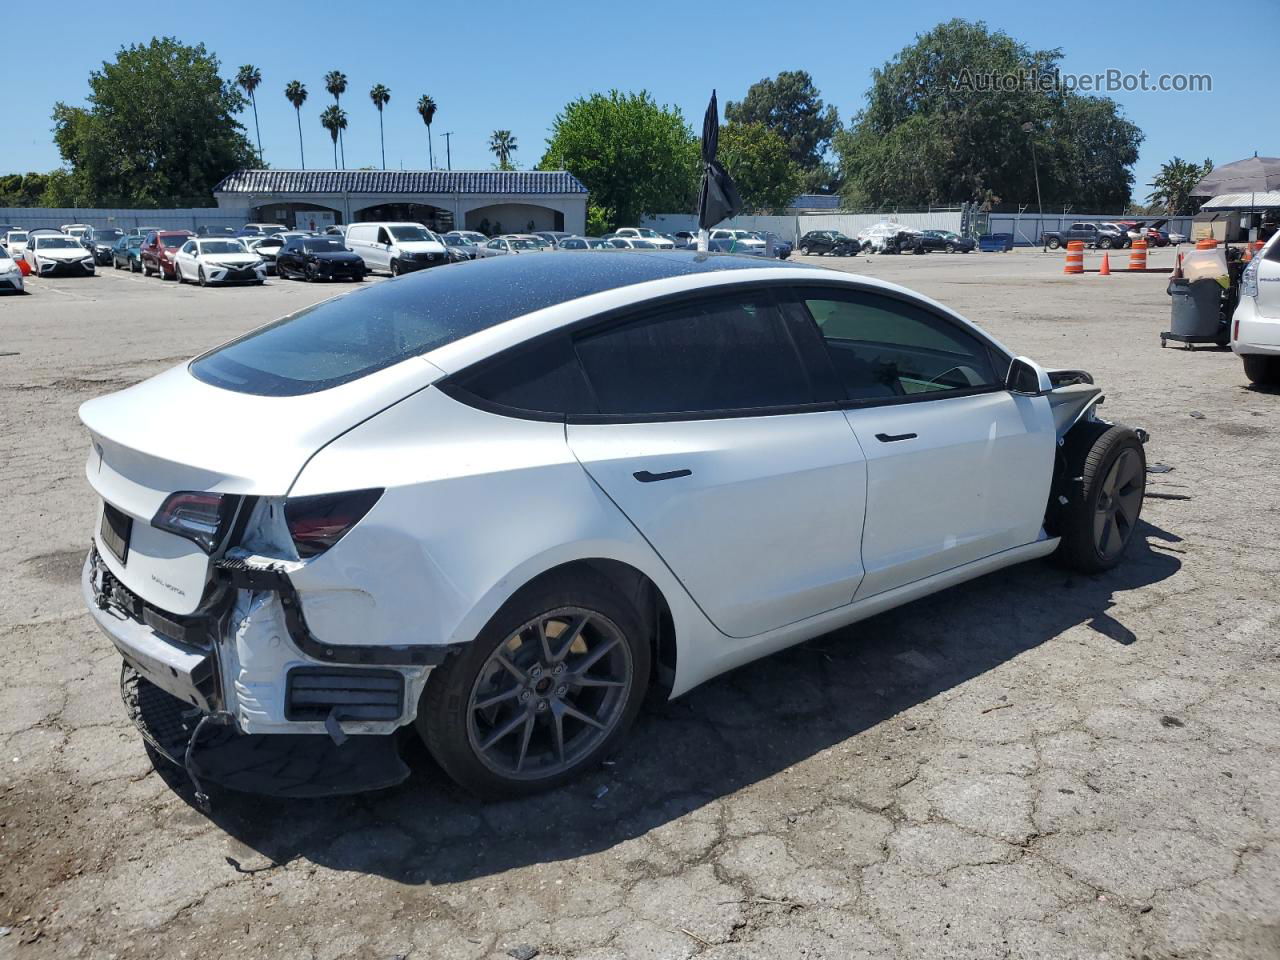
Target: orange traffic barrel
column 1207, row 243
column 23, row 267
column 1138, row 255
column 1075, row 257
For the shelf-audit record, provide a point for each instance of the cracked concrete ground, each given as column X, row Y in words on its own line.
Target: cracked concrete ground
column 1036, row 764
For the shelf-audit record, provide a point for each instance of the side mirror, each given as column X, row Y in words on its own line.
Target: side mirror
column 1027, row 378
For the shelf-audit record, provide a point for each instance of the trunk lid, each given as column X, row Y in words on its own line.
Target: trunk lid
column 174, row 433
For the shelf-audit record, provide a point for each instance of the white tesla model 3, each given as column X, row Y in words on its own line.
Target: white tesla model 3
column 500, row 500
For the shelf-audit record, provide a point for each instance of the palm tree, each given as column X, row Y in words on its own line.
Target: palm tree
column 334, row 119
column 380, row 95
column 1174, row 183
column 335, row 81
column 503, row 144
column 296, row 94
column 427, row 108
column 249, row 78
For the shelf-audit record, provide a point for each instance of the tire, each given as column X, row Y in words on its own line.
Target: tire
column 951, row 248
column 1054, row 243
column 804, row 251
column 1104, row 243
column 454, row 722
column 204, row 281
column 1106, row 502
column 395, row 268
column 1264, row 371
column 178, row 275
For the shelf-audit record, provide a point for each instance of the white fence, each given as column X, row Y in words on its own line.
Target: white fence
column 793, row 227
column 185, row 218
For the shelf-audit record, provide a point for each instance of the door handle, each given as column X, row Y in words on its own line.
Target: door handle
column 894, row 437
column 644, row 476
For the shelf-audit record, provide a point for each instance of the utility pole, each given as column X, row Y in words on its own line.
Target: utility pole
column 448, row 154
column 1029, row 129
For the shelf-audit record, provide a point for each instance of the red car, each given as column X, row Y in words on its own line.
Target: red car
column 158, row 250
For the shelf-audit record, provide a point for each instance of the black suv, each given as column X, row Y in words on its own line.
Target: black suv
column 828, row 241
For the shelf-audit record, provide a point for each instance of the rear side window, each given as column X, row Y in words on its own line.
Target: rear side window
column 726, row 354
column 883, row 347
column 544, row 378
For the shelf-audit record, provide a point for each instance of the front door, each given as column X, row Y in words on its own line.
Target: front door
column 715, row 443
column 958, row 468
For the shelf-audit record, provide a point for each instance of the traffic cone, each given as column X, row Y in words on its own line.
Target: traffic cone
column 1105, row 270
column 1177, row 268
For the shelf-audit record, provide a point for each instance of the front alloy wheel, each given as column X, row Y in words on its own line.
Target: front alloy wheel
column 550, row 685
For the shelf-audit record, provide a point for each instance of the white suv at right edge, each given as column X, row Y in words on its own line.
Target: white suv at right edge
column 1255, row 326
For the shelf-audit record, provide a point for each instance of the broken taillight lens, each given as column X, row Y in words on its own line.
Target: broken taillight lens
column 195, row 515
column 317, row 523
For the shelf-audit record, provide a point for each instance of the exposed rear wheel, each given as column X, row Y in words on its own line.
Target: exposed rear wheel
column 1264, row 371
column 1101, row 516
column 545, row 691
column 1054, row 243
column 395, row 268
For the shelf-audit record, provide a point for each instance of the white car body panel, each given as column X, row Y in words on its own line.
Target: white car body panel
column 42, row 258
column 362, row 238
column 659, row 241
column 760, row 488
column 188, row 263
column 1255, row 325
column 10, row 274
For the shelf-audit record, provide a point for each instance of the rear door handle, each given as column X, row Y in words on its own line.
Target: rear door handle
column 644, row 476
column 894, row 437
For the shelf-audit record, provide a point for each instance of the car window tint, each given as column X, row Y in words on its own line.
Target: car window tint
column 544, row 378
column 722, row 354
column 882, row 347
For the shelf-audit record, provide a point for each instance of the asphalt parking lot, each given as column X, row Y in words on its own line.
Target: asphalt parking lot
column 1036, row 764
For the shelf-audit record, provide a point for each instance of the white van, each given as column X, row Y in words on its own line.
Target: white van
column 396, row 247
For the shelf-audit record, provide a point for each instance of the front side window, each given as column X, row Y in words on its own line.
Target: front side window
column 884, row 348
column 713, row 356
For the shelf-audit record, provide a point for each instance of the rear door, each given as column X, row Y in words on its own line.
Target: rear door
column 717, row 443
column 958, row 468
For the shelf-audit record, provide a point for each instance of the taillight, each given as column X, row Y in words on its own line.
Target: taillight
column 317, row 523
column 195, row 515
column 1249, row 278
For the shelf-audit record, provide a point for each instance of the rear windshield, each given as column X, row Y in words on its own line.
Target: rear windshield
column 325, row 246
column 174, row 241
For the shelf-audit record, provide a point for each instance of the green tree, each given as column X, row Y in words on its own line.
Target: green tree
column 790, row 106
column 937, row 128
column 634, row 156
column 160, row 126
column 761, row 166
column 427, row 110
column 334, row 119
column 335, row 81
column 502, row 144
column 296, row 94
column 248, row 79
column 1173, row 186
column 381, row 96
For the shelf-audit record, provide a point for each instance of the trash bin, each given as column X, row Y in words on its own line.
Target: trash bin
column 1196, row 308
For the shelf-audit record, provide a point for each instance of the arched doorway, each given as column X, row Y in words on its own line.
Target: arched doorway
column 514, row 218
column 437, row 218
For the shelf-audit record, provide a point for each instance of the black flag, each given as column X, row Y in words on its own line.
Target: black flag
column 718, row 199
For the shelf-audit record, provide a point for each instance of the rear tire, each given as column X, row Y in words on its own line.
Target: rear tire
column 395, row 268
column 804, row 251
column 1264, row 371
column 1054, row 243
column 1100, row 519
column 1104, row 243
column 456, row 725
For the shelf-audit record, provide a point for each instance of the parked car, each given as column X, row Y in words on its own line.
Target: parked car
column 143, row 231
column 630, row 243
column 78, row 230
column 947, row 241
column 822, row 242
column 890, row 237
column 396, row 247
column 126, row 254
column 220, row 260
column 1255, row 325
column 774, row 245
column 102, row 243
column 418, row 531
column 460, row 248
column 15, row 241
column 512, row 243
column 685, row 239
column 319, row 258
column 585, row 243
column 50, row 254
column 158, row 250
column 724, row 240
column 205, row 230
column 266, row 229
column 552, row 237
column 1176, row 238
column 646, row 233
column 475, row 236
column 1101, row 236
column 10, row 273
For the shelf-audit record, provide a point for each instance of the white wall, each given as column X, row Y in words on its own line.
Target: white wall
column 183, row 218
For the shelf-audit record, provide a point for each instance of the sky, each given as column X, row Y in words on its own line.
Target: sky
column 513, row 65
